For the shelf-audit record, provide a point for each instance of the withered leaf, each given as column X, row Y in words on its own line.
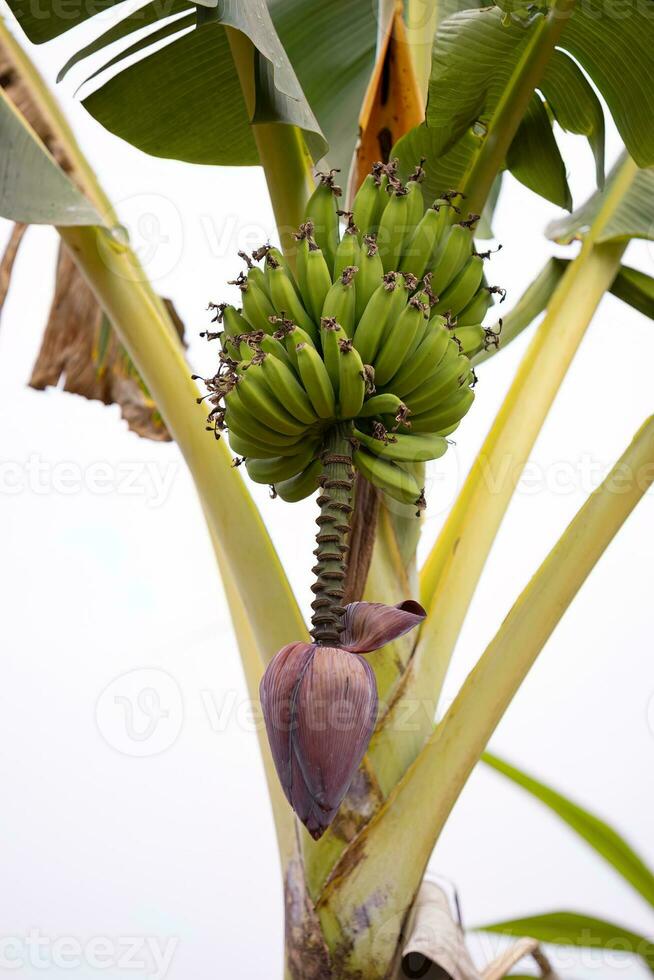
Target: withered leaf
column 79, row 344
column 80, row 347
column 8, row 259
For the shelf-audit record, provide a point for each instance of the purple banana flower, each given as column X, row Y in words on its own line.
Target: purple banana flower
column 320, row 706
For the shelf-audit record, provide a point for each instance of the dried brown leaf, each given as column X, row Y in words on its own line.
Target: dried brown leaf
column 20, row 95
column 434, row 937
column 80, row 347
column 517, row 951
column 8, row 259
column 392, row 105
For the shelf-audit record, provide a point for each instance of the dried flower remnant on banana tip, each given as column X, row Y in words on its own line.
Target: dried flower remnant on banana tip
column 358, row 360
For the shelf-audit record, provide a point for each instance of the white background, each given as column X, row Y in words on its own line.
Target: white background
column 103, row 578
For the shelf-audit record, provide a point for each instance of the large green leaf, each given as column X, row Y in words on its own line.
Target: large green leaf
column 575, row 929
column 633, row 218
column 33, row 188
column 332, row 49
column 478, row 58
column 43, row 23
column 184, row 100
column 152, row 13
column 334, row 41
column 535, row 159
column 169, row 28
column 612, row 40
column 635, row 288
column 478, row 55
column 574, row 105
column 148, row 103
column 602, row 838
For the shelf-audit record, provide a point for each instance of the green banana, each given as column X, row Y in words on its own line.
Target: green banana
column 419, row 250
column 448, row 412
column 331, row 333
column 424, row 362
column 247, row 348
column 302, row 237
column 254, row 273
column 341, row 299
column 351, row 383
column 404, row 448
column 463, row 287
column 477, row 308
column 274, row 258
column 348, row 251
column 454, row 252
column 386, row 404
column 250, row 448
column 280, row 468
column 319, row 280
column 366, row 205
column 286, row 300
column 369, row 276
column 302, row 485
column 399, row 339
column 388, row 476
column 471, row 339
column 370, row 328
column 316, row 381
column 416, row 202
column 234, row 323
column 246, row 426
column 394, row 227
column 231, row 346
column 290, row 335
column 449, row 378
column 288, row 389
column 272, row 345
column 257, row 308
column 321, row 210
column 259, row 402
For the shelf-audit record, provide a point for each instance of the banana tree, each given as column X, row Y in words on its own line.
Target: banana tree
column 353, row 358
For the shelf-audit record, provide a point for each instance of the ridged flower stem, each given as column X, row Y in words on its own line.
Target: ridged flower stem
column 335, row 502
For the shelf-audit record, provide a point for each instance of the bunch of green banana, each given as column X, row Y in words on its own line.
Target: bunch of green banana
column 373, row 321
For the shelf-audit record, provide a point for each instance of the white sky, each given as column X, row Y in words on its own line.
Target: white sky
column 101, row 577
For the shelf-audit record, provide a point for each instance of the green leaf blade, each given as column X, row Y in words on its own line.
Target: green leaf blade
column 635, row 288
column 575, row 106
column 33, row 188
column 145, row 110
column 578, row 930
column 633, row 218
column 596, row 832
column 535, row 159
column 612, row 39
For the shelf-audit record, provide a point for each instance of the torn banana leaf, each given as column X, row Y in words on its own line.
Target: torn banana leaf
column 79, row 344
column 81, row 348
